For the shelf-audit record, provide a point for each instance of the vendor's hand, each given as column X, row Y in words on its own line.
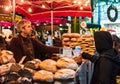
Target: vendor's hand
column 78, row 59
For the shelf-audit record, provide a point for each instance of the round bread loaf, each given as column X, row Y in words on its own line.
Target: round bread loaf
column 49, row 65
column 43, row 75
column 67, row 63
column 64, row 74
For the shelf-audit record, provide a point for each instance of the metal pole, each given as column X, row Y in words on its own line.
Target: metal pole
column 13, row 16
column 52, row 22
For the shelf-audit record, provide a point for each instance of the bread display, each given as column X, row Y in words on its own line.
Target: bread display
column 70, row 39
column 49, row 65
column 64, row 74
column 5, row 69
column 6, row 56
column 67, row 63
column 86, row 42
column 33, row 64
column 43, row 75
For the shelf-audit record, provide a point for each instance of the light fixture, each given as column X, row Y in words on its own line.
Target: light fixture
column 22, row 1
column 6, row 8
column 29, row 9
column 43, row 6
column 79, row 2
column 81, row 8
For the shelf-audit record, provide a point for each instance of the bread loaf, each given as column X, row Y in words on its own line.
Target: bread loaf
column 6, row 56
column 67, row 63
column 43, row 75
column 34, row 64
column 64, row 74
column 49, row 65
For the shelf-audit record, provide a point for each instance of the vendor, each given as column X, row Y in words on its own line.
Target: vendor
column 24, row 45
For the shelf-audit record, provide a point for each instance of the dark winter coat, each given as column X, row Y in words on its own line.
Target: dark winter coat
column 20, row 47
column 106, row 65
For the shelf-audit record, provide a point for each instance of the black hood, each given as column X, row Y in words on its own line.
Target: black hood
column 103, row 41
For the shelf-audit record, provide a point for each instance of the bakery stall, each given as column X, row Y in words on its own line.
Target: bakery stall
column 62, row 68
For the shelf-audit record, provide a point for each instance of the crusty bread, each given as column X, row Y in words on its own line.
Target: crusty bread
column 43, row 75
column 5, row 56
column 33, row 64
column 49, row 65
column 64, row 74
column 67, row 63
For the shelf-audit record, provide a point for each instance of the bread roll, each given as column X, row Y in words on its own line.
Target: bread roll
column 43, row 75
column 73, row 39
column 75, row 35
column 49, row 65
column 66, row 35
column 5, row 56
column 34, row 64
column 66, row 39
column 64, row 74
column 67, row 63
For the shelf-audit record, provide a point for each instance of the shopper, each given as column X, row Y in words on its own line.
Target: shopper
column 106, row 65
column 116, row 42
column 24, row 45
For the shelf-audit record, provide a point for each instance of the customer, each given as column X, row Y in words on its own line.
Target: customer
column 24, row 45
column 116, row 42
column 106, row 67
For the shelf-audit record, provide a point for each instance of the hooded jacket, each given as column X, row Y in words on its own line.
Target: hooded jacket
column 106, row 65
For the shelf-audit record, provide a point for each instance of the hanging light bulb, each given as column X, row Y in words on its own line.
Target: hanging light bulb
column 81, row 8
column 79, row 2
column 29, row 9
column 22, row 1
column 74, row 2
column 43, row 6
column 6, row 8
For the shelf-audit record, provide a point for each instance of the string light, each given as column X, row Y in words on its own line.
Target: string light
column 6, row 8
column 29, row 9
column 22, row 1
column 43, row 6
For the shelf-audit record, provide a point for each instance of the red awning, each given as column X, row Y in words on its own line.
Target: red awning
column 44, row 8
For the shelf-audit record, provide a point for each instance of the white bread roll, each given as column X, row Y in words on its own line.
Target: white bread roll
column 49, row 65
column 43, row 75
column 64, row 74
column 67, row 63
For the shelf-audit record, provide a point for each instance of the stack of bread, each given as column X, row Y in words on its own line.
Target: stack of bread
column 50, row 70
column 86, row 42
column 70, row 39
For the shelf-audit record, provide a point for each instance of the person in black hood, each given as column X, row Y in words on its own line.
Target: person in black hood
column 116, row 42
column 106, row 65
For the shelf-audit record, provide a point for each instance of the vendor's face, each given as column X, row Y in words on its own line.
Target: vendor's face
column 27, row 30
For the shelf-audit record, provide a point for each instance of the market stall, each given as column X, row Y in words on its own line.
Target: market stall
column 61, row 68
